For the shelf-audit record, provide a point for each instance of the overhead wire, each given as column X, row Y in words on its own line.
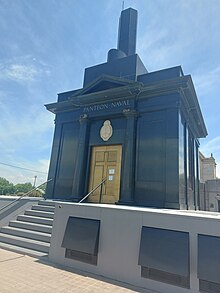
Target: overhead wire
column 23, row 168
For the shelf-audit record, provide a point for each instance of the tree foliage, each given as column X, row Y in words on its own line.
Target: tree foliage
column 25, row 187
column 7, row 188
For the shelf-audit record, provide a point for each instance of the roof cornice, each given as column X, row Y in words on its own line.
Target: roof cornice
column 137, row 90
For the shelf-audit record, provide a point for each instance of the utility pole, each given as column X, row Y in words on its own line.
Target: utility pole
column 35, row 179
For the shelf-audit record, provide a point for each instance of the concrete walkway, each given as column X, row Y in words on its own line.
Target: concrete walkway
column 23, row 274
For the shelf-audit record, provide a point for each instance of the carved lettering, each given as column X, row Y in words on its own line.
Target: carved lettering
column 107, row 106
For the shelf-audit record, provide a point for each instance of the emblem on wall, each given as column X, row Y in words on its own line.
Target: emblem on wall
column 106, row 131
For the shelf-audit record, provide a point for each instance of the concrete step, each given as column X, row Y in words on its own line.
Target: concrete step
column 40, row 214
column 31, row 226
column 46, row 203
column 30, row 233
column 22, row 250
column 43, row 208
column 37, row 220
column 24, row 242
column 26, row 233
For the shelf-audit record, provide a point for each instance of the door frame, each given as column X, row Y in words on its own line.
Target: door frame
column 89, row 162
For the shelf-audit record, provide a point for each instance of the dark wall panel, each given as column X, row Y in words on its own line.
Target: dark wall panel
column 81, row 239
column 165, row 250
column 182, row 173
column 172, row 157
column 150, row 185
column 66, row 161
column 209, row 258
column 151, row 142
column 82, row 235
column 190, row 168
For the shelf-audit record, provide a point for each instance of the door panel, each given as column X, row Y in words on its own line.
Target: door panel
column 105, row 163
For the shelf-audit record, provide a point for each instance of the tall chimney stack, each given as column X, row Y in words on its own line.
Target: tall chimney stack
column 127, row 31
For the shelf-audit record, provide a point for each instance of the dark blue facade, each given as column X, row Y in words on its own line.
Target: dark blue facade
column 155, row 117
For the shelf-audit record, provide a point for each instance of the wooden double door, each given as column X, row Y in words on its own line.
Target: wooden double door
column 105, row 164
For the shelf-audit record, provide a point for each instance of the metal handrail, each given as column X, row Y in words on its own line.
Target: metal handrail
column 25, row 194
column 94, row 189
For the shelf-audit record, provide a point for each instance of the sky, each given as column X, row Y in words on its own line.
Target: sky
column 47, row 44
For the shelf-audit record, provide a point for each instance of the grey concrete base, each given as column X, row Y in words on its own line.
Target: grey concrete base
column 119, row 241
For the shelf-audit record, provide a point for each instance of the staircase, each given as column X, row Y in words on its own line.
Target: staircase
column 30, row 233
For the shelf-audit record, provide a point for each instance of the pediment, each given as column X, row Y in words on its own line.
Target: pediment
column 103, row 83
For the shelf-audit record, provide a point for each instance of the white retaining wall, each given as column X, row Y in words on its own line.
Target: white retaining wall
column 119, row 240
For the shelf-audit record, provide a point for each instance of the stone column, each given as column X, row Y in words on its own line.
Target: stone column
column 79, row 175
column 129, row 154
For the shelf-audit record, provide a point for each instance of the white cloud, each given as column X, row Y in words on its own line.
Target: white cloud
column 153, row 49
column 204, row 81
column 23, row 69
column 19, row 72
column 211, row 146
column 26, row 127
column 28, row 130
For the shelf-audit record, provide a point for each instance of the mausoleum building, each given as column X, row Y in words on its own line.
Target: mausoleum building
column 136, row 131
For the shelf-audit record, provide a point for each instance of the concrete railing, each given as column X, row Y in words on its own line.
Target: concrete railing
column 14, row 208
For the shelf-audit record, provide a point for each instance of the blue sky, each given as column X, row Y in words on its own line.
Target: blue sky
column 46, row 44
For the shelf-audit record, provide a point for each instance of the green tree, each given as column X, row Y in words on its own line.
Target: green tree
column 6, row 187
column 23, row 187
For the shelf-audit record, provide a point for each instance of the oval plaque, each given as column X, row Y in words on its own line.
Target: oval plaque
column 106, row 131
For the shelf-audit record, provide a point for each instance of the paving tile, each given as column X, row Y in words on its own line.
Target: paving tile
column 25, row 274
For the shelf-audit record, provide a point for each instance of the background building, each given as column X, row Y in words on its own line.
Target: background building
column 209, row 184
column 207, row 168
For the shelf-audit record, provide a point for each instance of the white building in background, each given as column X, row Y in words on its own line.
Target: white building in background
column 207, row 168
column 209, row 184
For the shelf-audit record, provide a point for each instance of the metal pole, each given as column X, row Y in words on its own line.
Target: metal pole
column 94, row 189
column 35, row 179
column 100, row 195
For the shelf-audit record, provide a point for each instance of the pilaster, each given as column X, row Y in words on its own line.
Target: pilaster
column 127, row 180
column 79, row 175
